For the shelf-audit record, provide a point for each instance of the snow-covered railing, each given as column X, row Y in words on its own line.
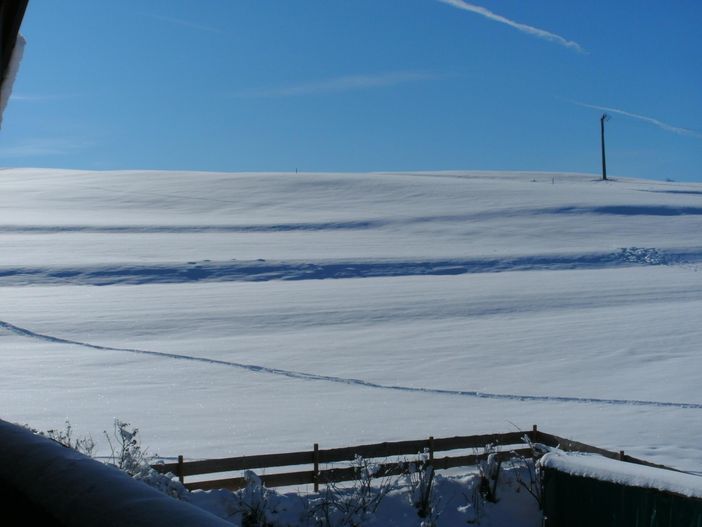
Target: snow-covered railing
column 503, row 446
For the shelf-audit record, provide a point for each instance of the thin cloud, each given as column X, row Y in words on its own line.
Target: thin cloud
column 524, row 28
column 44, row 147
column 660, row 124
column 343, row 84
column 184, row 23
column 45, row 97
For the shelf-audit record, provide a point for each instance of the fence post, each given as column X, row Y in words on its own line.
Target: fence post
column 534, row 436
column 179, row 469
column 315, row 455
column 431, row 450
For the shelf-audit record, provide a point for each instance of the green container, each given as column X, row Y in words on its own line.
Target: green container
column 577, row 501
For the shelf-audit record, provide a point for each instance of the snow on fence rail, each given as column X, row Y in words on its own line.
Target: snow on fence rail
column 504, row 446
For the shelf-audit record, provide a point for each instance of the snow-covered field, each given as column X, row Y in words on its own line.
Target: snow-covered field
column 228, row 314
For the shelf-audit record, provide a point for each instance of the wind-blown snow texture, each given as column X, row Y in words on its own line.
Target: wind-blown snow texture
column 250, row 313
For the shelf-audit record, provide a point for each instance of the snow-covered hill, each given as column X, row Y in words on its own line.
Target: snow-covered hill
column 249, row 313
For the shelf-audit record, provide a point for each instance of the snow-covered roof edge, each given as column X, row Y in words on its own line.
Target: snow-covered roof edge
column 623, row 473
column 80, row 491
column 11, row 74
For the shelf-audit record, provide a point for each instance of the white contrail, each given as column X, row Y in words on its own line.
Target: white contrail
column 524, row 28
column 660, row 124
column 342, row 84
column 184, row 23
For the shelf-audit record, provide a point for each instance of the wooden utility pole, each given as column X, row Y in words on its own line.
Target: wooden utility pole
column 604, row 118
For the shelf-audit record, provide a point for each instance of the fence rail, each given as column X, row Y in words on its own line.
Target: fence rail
column 504, row 445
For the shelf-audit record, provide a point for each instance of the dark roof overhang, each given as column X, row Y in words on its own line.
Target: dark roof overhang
column 11, row 14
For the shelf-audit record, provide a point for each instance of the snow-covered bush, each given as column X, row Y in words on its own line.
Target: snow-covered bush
column 474, row 508
column 351, row 506
column 529, row 477
column 84, row 445
column 489, row 474
column 128, row 455
column 503, row 491
column 458, row 497
column 255, row 503
column 420, row 483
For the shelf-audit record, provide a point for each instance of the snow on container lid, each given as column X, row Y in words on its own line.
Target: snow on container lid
column 620, row 472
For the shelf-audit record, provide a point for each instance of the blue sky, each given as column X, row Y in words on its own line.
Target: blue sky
column 360, row 85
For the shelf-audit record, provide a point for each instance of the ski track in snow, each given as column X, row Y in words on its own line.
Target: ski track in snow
column 263, row 271
column 186, row 229
column 23, row 332
column 376, row 223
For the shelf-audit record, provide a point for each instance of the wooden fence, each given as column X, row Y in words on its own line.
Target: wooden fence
column 504, row 446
